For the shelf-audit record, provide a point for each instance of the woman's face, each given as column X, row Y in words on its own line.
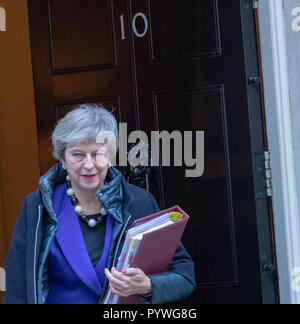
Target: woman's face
column 87, row 165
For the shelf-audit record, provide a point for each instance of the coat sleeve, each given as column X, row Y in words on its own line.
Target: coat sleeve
column 178, row 282
column 15, row 265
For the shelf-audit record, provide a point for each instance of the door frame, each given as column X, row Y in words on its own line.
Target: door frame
column 264, row 221
column 279, row 130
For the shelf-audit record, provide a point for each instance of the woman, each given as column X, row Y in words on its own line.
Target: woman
column 70, row 231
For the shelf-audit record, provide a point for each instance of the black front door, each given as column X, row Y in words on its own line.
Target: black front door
column 173, row 65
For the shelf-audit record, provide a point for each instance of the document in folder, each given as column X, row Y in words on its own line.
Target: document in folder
column 150, row 245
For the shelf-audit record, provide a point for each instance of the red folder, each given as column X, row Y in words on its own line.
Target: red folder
column 157, row 248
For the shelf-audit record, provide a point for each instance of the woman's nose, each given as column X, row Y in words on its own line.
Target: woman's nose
column 89, row 162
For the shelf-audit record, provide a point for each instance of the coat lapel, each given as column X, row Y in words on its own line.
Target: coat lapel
column 70, row 239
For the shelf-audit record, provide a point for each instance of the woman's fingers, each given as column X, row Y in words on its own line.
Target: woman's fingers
column 133, row 272
column 114, row 277
column 117, row 283
column 133, row 281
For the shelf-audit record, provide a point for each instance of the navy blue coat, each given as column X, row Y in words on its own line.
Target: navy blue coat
column 26, row 267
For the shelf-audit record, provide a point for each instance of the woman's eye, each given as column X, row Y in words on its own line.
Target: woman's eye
column 78, row 155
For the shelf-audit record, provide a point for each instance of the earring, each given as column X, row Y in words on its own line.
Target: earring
column 63, row 167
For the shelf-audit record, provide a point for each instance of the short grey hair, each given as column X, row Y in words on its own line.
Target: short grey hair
column 80, row 125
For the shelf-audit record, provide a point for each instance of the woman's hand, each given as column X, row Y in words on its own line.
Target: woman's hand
column 128, row 282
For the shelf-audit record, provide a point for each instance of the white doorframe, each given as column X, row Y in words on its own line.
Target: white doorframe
column 279, row 130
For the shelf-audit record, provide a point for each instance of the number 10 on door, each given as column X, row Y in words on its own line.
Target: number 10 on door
column 136, row 32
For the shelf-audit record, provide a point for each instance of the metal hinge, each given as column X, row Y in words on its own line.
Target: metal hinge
column 255, row 4
column 268, row 174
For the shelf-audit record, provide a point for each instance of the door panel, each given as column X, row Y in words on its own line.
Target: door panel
column 88, row 38
column 175, row 31
column 171, row 65
column 202, row 109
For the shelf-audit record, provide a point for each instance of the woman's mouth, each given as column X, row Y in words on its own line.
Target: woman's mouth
column 89, row 176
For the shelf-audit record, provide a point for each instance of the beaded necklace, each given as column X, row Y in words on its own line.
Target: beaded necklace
column 91, row 222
